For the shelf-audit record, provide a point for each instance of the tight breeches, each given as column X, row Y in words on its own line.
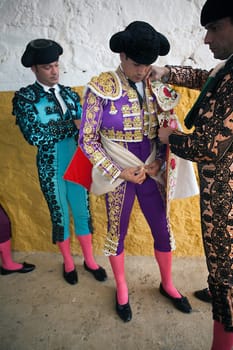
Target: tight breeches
column 119, row 205
column 5, row 226
column 61, row 195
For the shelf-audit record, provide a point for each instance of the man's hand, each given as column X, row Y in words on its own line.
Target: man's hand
column 164, row 134
column 159, row 73
column 134, row 174
column 77, row 122
column 153, row 168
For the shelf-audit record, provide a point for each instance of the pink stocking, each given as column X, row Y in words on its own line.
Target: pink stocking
column 87, row 249
column 7, row 262
column 222, row 340
column 118, row 268
column 65, row 250
column 164, row 260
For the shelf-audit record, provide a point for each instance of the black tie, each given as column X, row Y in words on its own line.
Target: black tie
column 52, row 90
column 133, row 85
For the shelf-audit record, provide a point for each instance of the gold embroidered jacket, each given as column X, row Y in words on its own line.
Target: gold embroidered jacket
column 112, row 108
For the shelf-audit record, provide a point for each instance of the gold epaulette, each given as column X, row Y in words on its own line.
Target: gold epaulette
column 107, row 85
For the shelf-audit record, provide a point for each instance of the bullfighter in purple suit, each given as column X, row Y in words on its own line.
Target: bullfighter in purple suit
column 119, row 136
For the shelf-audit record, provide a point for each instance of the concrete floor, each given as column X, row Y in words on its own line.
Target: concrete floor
column 40, row 311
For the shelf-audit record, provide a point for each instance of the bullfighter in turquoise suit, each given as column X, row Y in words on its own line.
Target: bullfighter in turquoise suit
column 48, row 115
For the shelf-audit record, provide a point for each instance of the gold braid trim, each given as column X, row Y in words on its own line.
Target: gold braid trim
column 107, row 85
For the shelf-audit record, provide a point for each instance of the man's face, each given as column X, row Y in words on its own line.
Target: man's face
column 219, row 37
column 47, row 74
column 134, row 71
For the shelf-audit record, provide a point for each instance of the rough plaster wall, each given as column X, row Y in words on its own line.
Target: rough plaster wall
column 84, row 28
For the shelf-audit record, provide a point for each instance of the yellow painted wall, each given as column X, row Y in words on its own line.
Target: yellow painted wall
column 31, row 228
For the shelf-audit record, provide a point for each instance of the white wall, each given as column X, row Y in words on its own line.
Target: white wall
column 84, row 27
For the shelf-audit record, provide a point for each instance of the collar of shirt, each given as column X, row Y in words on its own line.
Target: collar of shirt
column 140, row 87
column 57, row 93
column 46, row 87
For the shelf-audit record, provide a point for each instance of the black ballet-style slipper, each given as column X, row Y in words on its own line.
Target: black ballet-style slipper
column 203, row 295
column 70, row 277
column 181, row 304
column 99, row 274
column 24, row 269
column 124, row 311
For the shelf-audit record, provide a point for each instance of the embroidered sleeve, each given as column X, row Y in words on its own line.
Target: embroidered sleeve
column 35, row 132
column 89, row 139
column 187, row 76
column 213, row 134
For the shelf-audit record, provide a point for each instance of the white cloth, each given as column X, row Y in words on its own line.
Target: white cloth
column 182, row 181
column 100, row 183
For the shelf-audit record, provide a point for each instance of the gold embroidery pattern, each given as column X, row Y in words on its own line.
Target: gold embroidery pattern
column 113, row 109
column 127, row 136
column 106, row 85
column 136, row 123
column 97, row 156
column 150, row 119
column 132, row 110
column 136, row 108
column 125, row 109
column 133, row 124
column 115, row 202
column 149, row 123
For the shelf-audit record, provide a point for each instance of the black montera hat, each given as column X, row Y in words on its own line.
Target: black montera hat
column 140, row 42
column 213, row 10
column 41, row 51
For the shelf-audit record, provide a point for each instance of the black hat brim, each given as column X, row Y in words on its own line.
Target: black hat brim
column 141, row 42
column 41, row 51
column 214, row 10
